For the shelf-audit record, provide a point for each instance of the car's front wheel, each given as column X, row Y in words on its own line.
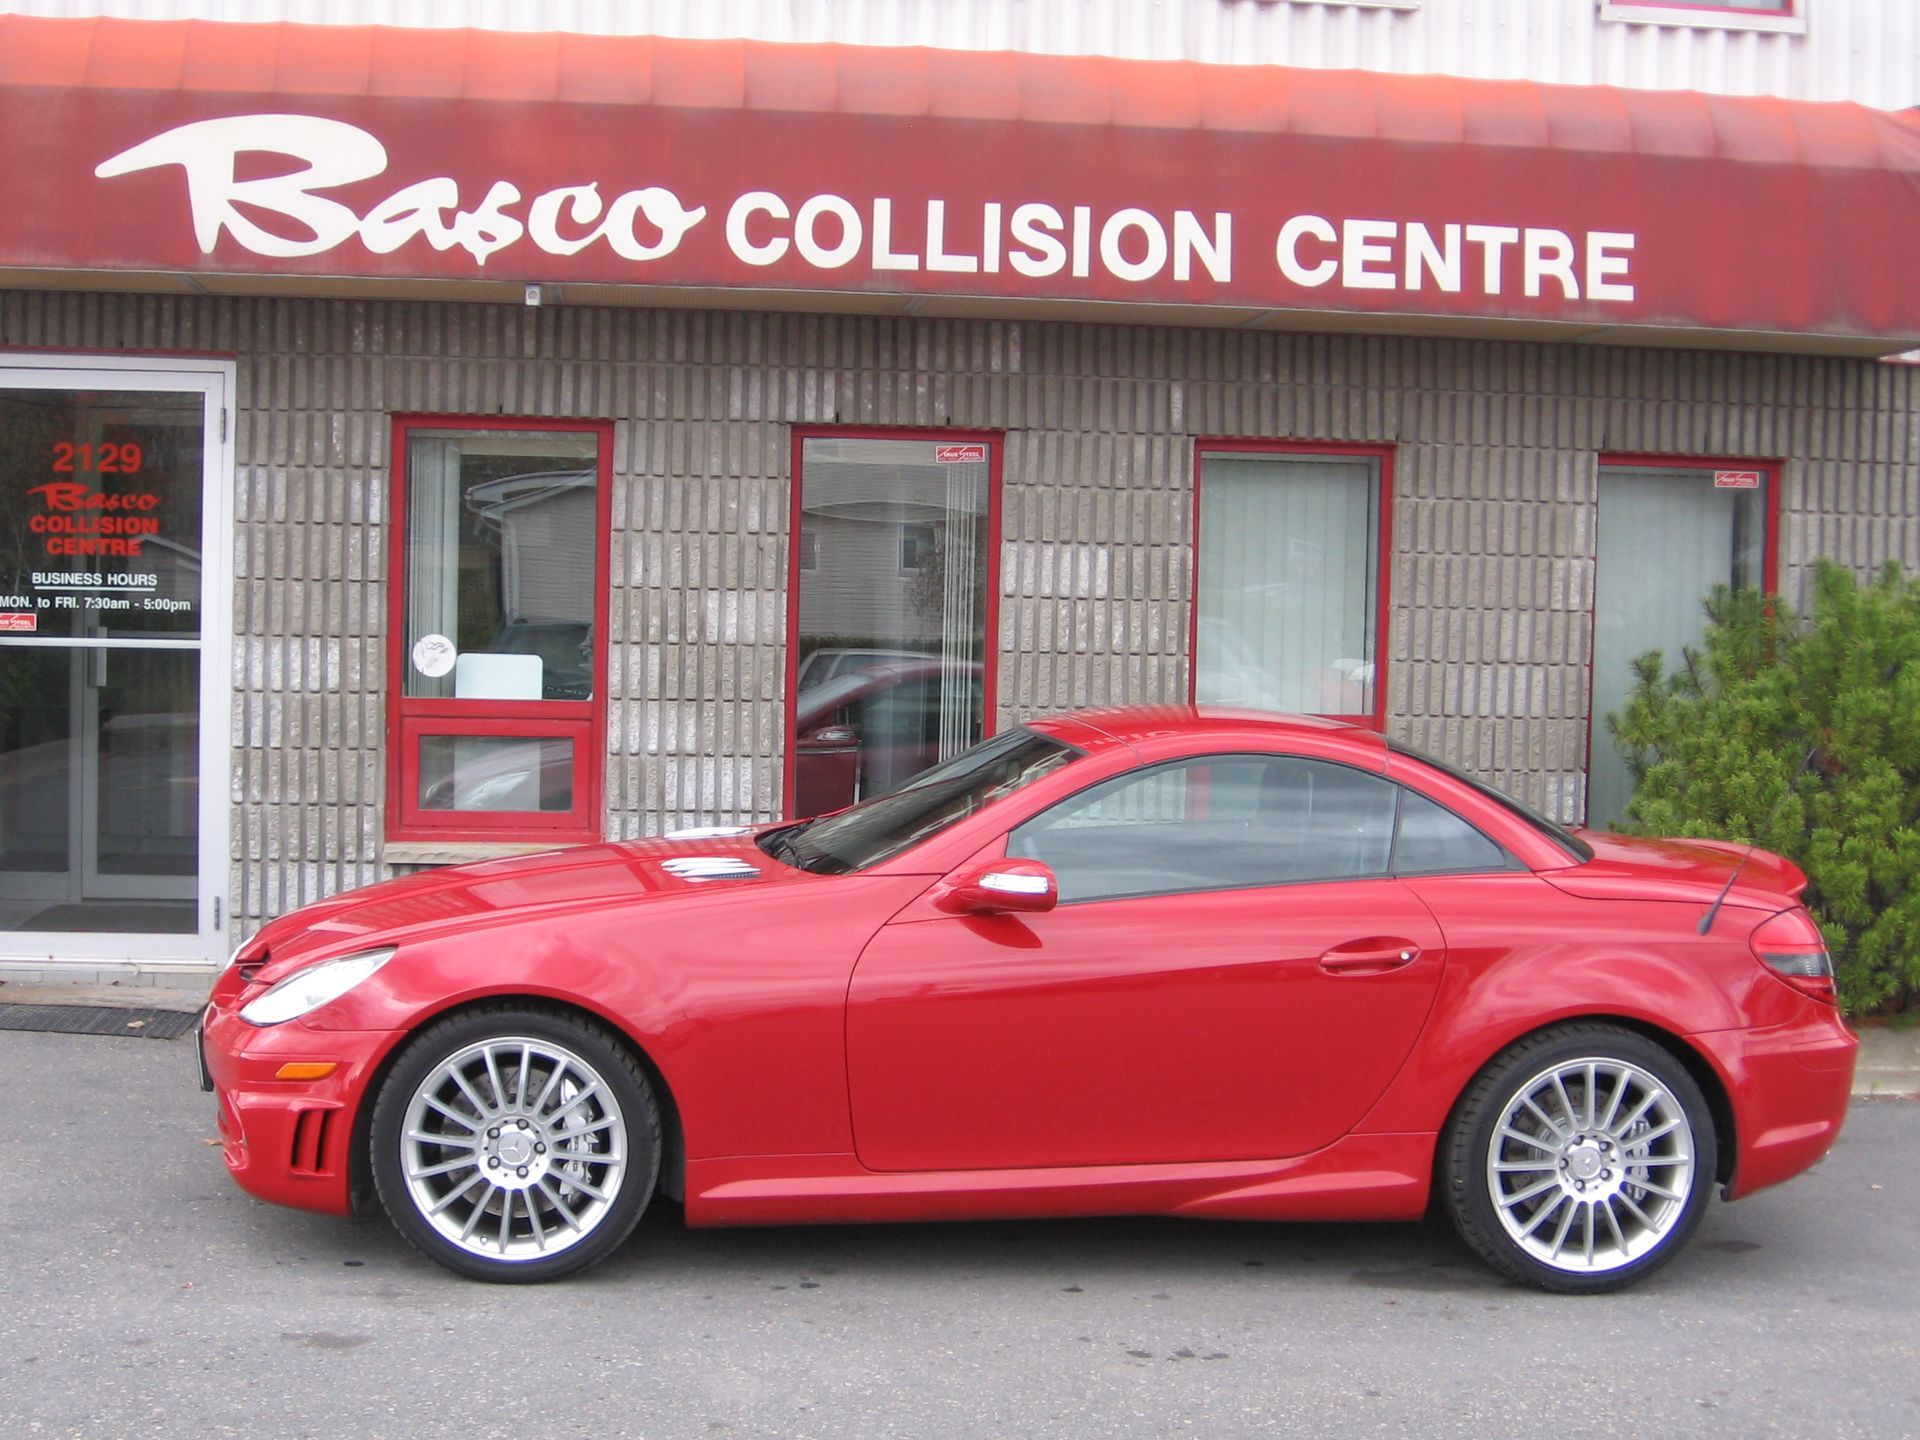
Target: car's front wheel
column 1580, row 1160
column 515, row 1144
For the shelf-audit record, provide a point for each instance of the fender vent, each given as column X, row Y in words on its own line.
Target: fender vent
column 310, row 1141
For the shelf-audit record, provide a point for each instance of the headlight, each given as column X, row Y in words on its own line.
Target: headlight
column 307, row 991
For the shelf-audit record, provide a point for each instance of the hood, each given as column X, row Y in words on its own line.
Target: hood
column 628, row 872
column 1627, row 867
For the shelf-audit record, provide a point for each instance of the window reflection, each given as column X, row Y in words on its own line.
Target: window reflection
column 891, row 633
column 501, row 538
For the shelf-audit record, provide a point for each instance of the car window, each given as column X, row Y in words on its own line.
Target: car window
column 1218, row 823
column 1572, row 844
column 1432, row 840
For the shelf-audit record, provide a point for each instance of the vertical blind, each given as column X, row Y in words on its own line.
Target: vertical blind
column 1288, row 558
column 432, row 552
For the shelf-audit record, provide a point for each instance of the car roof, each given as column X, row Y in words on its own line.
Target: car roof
column 1092, row 730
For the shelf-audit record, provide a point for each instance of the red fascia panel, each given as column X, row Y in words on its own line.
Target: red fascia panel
column 421, row 71
column 690, row 74
column 1154, row 94
column 514, row 67
column 791, row 77
column 884, row 82
column 975, row 85
column 1673, row 178
column 1432, row 114
column 1507, row 112
column 240, row 58
column 292, row 59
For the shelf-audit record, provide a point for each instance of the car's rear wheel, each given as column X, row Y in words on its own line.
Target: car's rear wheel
column 1580, row 1160
column 515, row 1144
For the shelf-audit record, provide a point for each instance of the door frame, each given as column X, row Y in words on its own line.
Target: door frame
column 214, row 379
column 996, row 443
column 1771, row 479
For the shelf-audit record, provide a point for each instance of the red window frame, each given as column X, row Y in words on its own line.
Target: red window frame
column 1791, row 11
column 996, row 443
column 409, row 720
column 1376, row 718
column 1769, row 549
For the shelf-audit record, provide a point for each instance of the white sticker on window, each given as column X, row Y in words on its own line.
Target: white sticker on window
column 433, row 655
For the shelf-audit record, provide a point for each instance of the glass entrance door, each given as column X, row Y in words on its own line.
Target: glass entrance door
column 1666, row 536
column 105, row 675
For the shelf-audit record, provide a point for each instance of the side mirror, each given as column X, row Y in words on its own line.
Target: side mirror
column 1000, row 887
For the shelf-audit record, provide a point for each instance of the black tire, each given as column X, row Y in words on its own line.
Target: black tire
column 1588, row 1197
column 534, row 1132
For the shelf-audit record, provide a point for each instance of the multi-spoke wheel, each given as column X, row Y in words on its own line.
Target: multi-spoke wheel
column 1580, row 1160
column 514, row 1144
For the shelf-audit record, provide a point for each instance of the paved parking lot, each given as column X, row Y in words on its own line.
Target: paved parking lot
column 143, row 1294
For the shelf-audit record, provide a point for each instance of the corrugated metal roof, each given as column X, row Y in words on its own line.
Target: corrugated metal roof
column 1863, row 50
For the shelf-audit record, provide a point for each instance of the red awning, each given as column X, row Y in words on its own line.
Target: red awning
column 996, row 180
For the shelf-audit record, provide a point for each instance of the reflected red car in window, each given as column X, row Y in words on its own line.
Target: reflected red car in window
column 863, row 732
column 1190, row 962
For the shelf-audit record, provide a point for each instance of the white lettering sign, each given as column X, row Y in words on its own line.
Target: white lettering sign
column 289, row 214
column 335, row 153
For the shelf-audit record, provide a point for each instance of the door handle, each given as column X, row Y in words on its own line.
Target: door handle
column 1369, row 957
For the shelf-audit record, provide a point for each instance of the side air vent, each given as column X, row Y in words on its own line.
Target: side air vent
column 310, row 1141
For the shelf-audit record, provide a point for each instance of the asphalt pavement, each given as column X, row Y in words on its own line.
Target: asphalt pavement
column 142, row 1294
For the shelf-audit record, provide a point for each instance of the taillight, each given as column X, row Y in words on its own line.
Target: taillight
column 1790, row 945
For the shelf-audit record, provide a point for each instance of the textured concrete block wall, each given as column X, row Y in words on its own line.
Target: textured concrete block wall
column 1496, row 445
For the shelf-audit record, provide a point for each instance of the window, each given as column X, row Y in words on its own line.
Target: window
column 1780, row 17
column 1667, row 532
column 1432, row 840
column 1576, row 848
column 1221, row 823
column 916, row 547
column 1724, row 7
column 498, row 623
column 1290, row 578
column 890, row 662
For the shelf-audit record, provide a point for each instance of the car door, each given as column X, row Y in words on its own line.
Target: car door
column 1231, row 974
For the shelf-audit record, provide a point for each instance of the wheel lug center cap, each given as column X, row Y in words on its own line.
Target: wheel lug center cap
column 514, row 1147
column 1584, row 1161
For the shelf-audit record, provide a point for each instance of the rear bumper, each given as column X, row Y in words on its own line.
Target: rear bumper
column 286, row 1141
column 1789, row 1085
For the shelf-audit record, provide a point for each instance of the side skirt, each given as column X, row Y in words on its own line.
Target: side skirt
column 1362, row 1177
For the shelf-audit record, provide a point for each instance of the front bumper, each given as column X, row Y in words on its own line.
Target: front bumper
column 287, row 1141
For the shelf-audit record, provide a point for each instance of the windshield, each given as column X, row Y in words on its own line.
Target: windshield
column 1565, row 839
column 881, row 828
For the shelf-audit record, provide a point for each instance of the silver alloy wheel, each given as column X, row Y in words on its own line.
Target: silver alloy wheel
column 1590, row 1165
column 513, row 1148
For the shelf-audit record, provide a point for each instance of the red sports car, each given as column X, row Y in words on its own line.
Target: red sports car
column 1200, row 963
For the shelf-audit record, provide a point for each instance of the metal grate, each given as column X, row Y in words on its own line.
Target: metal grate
column 98, row 1020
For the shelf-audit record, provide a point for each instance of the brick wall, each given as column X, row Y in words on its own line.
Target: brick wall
column 1493, row 516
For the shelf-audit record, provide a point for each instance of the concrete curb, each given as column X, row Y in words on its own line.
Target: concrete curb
column 1889, row 1062
column 132, row 997
column 1889, row 1059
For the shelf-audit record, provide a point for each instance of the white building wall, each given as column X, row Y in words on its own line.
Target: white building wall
column 1864, row 50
